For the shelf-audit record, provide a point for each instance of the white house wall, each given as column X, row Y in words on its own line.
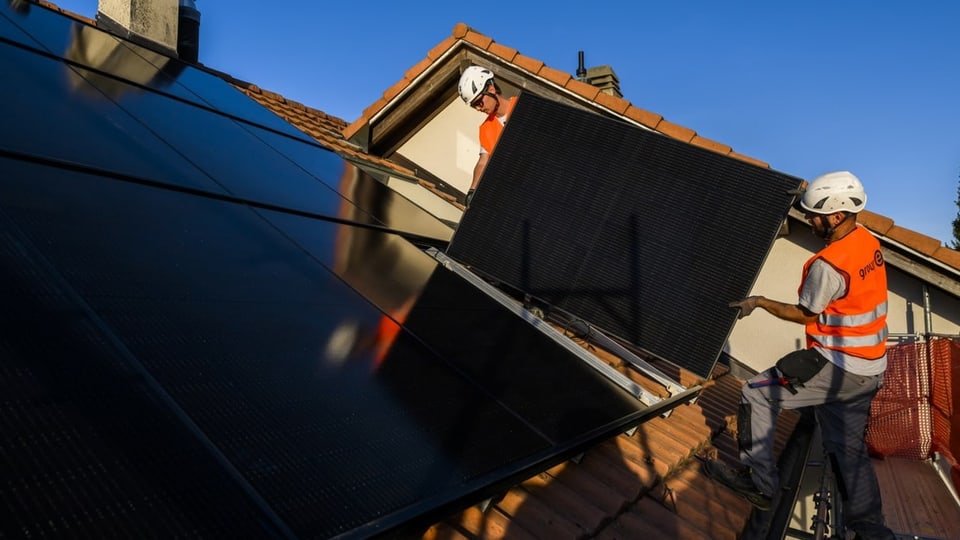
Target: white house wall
column 448, row 146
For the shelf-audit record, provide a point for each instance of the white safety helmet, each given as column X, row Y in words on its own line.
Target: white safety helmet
column 473, row 82
column 839, row 191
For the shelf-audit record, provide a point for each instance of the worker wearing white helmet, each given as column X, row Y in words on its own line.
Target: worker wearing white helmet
column 479, row 90
column 843, row 306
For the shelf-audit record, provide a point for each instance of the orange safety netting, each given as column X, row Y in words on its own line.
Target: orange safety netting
column 911, row 415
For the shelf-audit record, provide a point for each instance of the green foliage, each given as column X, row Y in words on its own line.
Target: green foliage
column 956, row 223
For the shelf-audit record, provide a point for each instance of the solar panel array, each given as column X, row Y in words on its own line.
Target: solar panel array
column 643, row 236
column 214, row 327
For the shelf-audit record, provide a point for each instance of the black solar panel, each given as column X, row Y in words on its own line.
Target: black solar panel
column 643, row 236
column 214, row 328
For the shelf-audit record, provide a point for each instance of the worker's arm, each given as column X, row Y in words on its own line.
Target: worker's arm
column 788, row 312
column 478, row 169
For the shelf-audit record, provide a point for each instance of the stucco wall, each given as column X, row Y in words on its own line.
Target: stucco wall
column 448, row 146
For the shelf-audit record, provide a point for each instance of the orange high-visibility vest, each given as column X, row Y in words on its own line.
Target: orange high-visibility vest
column 491, row 128
column 855, row 324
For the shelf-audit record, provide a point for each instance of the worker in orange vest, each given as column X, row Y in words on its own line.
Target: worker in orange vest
column 843, row 307
column 479, row 90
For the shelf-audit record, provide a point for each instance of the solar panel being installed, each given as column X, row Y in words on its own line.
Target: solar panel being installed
column 645, row 237
column 200, row 343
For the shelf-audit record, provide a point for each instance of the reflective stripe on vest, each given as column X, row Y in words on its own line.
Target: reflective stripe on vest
column 854, row 320
column 848, row 341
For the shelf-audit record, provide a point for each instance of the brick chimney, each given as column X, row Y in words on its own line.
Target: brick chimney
column 603, row 77
column 170, row 26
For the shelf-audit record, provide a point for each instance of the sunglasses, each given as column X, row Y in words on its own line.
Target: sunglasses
column 477, row 103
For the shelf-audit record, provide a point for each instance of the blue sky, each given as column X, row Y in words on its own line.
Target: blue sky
column 868, row 86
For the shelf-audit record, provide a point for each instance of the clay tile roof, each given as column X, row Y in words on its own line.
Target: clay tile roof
column 464, row 34
column 644, row 483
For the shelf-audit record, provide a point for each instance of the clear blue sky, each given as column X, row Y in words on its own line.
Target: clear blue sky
column 868, row 86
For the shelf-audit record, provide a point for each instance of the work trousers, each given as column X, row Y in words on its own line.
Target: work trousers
column 841, row 401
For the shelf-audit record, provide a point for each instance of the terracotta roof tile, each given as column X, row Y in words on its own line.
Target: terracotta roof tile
column 919, row 242
column 507, row 53
column 490, row 524
column 948, row 256
column 586, row 90
column 710, row 145
column 374, row 108
column 392, row 92
column 477, row 39
column 441, row 48
column 676, row 131
column 537, row 516
column 666, row 523
column 690, row 493
column 530, row 64
column 417, row 69
column 615, row 104
column 749, row 159
column 460, row 30
column 556, row 76
column 443, row 531
column 581, row 480
column 647, row 118
column 875, row 222
column 576, row 506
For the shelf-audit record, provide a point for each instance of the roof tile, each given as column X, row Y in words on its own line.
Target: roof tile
column 948, row 256
column 534, row 515
column 585, row 90
column 676, row 131
column 647, row 118
column 554, row 75
column 416, row 70
column 749, row 159
column 460, row 30
column 490, row 524
column 530, row 64
column 443, row 531
column 477, row 39
column 691, row 494
column 565, row 501
column 507, row 53
column 581, row 480
column 374, row 108
column 615, row 104
column 394, row 90
column 922, row 243
column 666, row 522
column 703, row 142
column 875, row 222
column 441, row 48
column 631, row 525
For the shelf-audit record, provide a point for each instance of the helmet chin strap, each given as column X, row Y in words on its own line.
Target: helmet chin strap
column 495, row 107
column 830, row 229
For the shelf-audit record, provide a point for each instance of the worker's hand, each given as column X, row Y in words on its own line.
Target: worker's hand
column 747, row 305
column 470, row 197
